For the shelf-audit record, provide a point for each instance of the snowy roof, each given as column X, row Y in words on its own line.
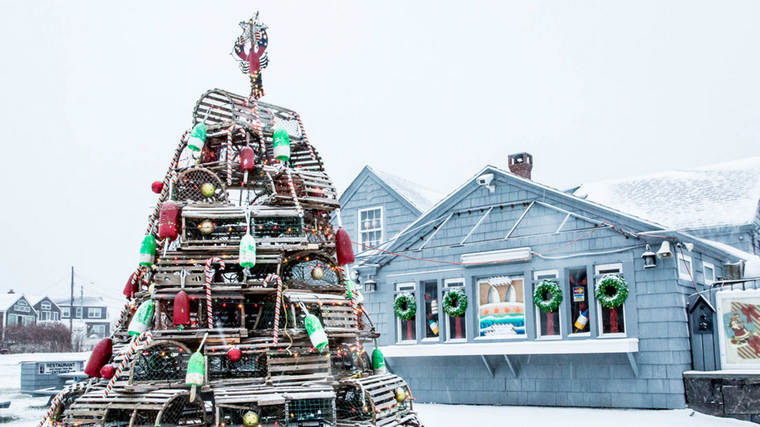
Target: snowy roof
column 7, row 300
column 716, row 195
column 421, row 197
column 86, row 301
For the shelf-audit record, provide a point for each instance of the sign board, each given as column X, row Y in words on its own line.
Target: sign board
column 739, row 328
column 55, row 368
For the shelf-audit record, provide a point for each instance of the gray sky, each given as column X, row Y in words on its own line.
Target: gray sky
column 97, row 93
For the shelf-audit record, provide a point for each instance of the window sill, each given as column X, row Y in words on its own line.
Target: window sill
column 456, row 340
column 625, row 345
column 607, row 336
column 549, row 337
column 431, row 339
column 579, row 335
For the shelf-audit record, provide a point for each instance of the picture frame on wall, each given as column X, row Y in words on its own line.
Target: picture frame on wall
column 739, row 328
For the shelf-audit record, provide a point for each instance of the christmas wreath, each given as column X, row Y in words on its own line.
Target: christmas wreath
column 550, row 288
column 455, row 303
column 405, row 306
column 611, row 291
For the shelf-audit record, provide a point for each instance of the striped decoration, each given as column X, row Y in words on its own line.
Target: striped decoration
column 165, row 190
column 304, row 137
column 292, row 188
column 126, row 357
column 269, row 278
column 258, row 127
column 750, row 314
column 207, row 272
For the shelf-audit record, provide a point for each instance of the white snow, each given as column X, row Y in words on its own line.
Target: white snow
column 717, row 195
column 421, row 197
column 498, row 416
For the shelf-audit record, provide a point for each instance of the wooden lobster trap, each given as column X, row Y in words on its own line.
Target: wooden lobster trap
column 373, row 401
column 312, row 405
column 160, row 364
column 199, row 185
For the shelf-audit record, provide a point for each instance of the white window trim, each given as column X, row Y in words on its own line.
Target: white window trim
column 684, row 275
column 477, row 318
column 45, row 306
column 447, row 284
column 410, row 287
column 705, row 266
column 589, row 298
column 79, row 313
column 91, row 310
column 66, row 312
column 536, row 275
column 425, row 325
column 600, row 324
column 359, row 225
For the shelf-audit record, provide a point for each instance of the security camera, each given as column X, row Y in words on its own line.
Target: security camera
column 485, row 181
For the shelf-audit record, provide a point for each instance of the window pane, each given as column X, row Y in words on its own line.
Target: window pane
column 613, row 320
column 579, row 318
column 431, row 309
column 407, row 330
column 501, row 307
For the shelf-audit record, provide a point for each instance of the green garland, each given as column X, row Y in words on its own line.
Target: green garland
column 611, row 291
column 455, row 303
column 405, row 306
column 552, row 288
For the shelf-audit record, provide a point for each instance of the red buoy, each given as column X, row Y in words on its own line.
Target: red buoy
column 101, row 354
column 234, row 354
column 168, row 221
column 107, row 371
column 157, row 186
column 343, row 247
column 181, row 314
column 247, row 158
column 132, row 286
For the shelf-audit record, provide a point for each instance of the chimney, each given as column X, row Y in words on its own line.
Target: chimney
column 521, row 164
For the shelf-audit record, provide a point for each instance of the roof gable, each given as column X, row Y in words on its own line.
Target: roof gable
column 416, row 198
column 8, row 300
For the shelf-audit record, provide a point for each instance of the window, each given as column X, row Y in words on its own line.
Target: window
column 43, row 315
column 430, row 296
column 685, row 270
column 94, row 312
column 612, row 320
column 709, row 270
column 406, row 331
column 501, row 307
column 547, row 323
column 370, row 226
column 456, row 327
column 22, row 306
column 65, row 312
column 55, row 316
column 99, row 330
column 79, row 313
column 45, row 306
column 580, row 323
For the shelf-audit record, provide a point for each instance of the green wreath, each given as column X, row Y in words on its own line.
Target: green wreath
column 405, row 306
column 455, row 303
column 611, row 291
column 550, row 287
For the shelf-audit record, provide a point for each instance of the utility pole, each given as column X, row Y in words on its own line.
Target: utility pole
column 71, row 307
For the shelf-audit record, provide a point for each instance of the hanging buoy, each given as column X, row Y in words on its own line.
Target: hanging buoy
column 196, row 370
column 247, row 162
column 250, row 419
column 142, row 318
column 168, row 221
column 281, row 145
column 148, row 250
column 107, row 372
column 378, row 361
column 157, row 186
column 181, row 314
column 132, row 286
column 315, row 330
column 101, row 354
column 197, row 137
column 234, row 354
column 247, row 255
column 343, row 247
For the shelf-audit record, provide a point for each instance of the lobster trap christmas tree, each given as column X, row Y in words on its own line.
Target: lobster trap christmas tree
column 241, row 310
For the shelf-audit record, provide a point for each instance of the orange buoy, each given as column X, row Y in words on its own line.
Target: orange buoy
column 343, row 247
column 181, row 314
column 101, row 354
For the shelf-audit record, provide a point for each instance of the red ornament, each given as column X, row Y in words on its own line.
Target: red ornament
column 157, row 187
column 132, row 286
column 107, row 372
column 234, row 354
column 343, row 247
column 247, row 157
column 181, row 314
column 101, row 354
column 168, row 221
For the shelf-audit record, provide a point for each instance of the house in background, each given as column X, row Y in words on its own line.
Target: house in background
column 718, row 202
column 15, row 310
column 376, row 206
column 92, row 311
column 47, row 310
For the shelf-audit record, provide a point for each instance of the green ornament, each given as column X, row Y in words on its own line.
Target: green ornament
column 247, row 254
column 378, row 361
column 196, row 370
column 316, row 332
column 550, row 287
column 142, row 318
column 250, row 419
column 197, row 137
column 148, row 250
column 208, row 189
column 281, row 145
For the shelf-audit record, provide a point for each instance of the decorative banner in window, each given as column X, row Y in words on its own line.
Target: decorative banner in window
column 739, row 317
column 501, row 307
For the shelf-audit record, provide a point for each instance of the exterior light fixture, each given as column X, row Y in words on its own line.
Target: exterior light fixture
column 649, row 257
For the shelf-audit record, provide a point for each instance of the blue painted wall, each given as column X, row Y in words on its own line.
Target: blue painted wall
column 655, row 308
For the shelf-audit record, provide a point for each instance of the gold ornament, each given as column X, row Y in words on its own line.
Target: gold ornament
column 208, row 189
column 250, row 419
column 206, row 227
column 317, row 273
column 400, row 394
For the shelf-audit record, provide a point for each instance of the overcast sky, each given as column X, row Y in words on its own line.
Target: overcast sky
column 95, row 95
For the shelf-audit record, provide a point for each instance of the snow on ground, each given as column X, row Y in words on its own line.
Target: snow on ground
column 28, row 410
